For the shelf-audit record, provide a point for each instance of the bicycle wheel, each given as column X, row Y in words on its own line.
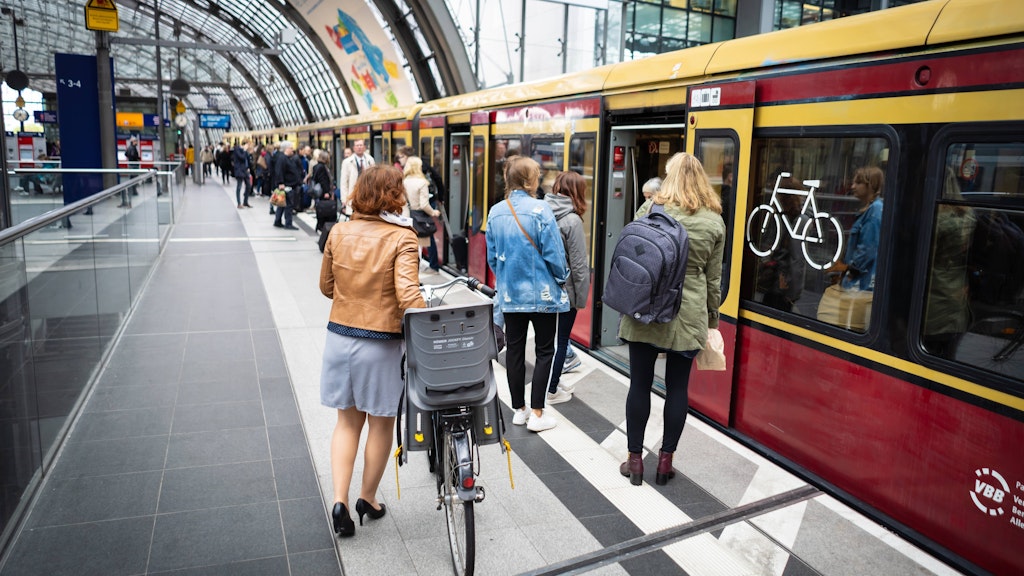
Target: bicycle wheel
column 763, row 230
column 823, row 241
column 459, row 514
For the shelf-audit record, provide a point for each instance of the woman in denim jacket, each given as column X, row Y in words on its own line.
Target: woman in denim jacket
column 525, row 250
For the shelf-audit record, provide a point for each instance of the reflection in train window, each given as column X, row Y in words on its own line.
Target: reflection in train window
column 437, row 162
column 549, row 152
column 582, row 158
column 813, row 226
column 974, row 303
column 504, row 148
column 718, row 156
column 476, row 219
column 425, row 150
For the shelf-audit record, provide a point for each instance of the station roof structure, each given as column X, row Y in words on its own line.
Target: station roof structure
column 266, row 62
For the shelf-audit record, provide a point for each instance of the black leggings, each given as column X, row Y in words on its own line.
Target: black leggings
column 516, row 326
column 638, row 401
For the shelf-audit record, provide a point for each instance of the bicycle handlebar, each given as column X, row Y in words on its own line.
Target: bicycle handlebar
column 468, row 281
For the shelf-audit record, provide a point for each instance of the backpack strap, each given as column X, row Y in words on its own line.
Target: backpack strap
column 525, row 233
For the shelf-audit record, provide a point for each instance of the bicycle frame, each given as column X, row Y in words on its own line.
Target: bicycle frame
column 809, row 201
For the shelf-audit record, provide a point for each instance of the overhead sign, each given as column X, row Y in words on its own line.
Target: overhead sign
column 215, row 121
column 101, row 15
column 129, row 119
column 45, row 117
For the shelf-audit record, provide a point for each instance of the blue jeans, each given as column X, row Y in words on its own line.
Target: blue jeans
column 565, row 322
column 287, row 212
column 239, row 182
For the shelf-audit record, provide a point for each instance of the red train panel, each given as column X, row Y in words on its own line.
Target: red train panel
column 951, row 470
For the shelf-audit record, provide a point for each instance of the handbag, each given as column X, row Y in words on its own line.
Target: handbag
column 712, row 357
column 849, row 309
column 423, row 223
column 279, row 198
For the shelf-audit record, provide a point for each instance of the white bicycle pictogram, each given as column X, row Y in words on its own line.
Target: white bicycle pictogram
column 821, row 237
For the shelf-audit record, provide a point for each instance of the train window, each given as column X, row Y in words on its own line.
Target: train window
column 425, row 147
column 718, row 155
column 396, row 143
column 477, row 199
column 974, row 303
column 582, row 160
column 437, row 162
column 813, row 228
column 503, row 148
column 549, row 152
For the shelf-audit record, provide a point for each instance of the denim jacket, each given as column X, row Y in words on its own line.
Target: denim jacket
column 862, row 251
column 527, row 280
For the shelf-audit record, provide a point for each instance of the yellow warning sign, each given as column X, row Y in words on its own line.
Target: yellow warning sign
column 101, row 15
column 180, row 108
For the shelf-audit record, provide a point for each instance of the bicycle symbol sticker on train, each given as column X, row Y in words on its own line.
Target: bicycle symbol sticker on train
column 820, row 236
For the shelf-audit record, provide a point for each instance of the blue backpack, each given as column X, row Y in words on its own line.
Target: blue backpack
column 645, row 281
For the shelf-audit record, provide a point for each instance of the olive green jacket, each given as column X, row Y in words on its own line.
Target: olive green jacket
column 702, row 288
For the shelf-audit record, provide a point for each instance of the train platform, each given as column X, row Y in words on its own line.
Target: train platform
column 203, row 449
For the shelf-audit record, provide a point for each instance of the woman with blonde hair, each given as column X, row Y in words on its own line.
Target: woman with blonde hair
column 361, row 376
column 417, row 190
column 687, row 196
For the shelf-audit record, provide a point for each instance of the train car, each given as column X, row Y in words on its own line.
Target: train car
column 875, row 345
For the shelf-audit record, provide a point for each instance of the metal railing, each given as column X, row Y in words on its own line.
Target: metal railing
column 70, row 275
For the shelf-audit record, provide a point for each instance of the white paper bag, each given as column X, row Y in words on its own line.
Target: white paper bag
column 712, row 357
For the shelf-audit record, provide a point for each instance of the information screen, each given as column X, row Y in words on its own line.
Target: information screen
column 215, row 121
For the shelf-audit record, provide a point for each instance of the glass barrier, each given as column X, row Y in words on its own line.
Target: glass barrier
column 69, row 277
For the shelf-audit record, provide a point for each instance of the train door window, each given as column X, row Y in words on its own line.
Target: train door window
column 396, row 143
column 425, row 148
column 377, row 151
column 437, row 161
column 718, row 155
column 974, row 302
column 583, row 161
column 504, row 148
column 549, row 152
column 813, row 227
column 477, row 201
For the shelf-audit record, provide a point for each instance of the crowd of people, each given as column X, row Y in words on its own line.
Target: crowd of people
column 538, row 252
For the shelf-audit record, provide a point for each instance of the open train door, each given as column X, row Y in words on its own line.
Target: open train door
column 719, row 132
column 637, row 153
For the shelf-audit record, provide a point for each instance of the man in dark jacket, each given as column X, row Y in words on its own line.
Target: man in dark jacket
column 288, row 174
column 240, row 165
column 131, row 154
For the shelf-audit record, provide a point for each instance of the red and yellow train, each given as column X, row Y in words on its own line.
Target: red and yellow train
column 905, row 398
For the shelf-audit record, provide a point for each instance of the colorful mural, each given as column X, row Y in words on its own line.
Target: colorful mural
column 363, row 51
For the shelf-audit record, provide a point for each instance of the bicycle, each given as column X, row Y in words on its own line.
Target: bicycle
column 450, row 406
column 816, row 243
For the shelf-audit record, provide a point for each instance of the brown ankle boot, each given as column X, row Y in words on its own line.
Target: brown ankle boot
column 634, row 468
column 665, row 471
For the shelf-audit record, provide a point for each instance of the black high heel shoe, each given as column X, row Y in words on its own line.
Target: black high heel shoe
column 365, row 508
column 343, row 525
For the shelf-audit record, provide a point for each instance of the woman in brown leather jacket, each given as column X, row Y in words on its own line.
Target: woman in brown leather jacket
column 371, row 272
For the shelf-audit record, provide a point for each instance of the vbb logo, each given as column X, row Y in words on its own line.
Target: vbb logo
column 990, row 489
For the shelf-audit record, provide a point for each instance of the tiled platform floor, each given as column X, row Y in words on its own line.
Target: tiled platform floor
column 204, row 450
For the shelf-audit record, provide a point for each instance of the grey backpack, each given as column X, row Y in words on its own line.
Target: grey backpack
column 645, row 280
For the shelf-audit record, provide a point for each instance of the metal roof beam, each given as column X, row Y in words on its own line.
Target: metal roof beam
column 202, row 45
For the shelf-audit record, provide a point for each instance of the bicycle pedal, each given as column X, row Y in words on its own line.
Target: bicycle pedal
column 480, row 494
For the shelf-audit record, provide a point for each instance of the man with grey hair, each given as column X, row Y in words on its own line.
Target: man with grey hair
column 288, row 175
column 351, row 168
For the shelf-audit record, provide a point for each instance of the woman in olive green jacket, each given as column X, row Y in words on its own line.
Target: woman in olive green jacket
column 689, row 198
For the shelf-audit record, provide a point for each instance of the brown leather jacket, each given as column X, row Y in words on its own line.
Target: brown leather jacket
column 377, row 267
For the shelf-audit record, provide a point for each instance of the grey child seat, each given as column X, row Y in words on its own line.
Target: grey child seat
column 448, row 356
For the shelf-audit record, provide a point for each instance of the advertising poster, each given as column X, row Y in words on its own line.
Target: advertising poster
column 363, row 51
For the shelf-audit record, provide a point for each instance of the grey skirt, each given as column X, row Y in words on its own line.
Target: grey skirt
column 362, row 372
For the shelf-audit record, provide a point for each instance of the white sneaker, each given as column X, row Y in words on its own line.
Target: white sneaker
column 521, row 416
column 559, row 396
column 539, row 423
column 567, row 388
column 571, row 364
